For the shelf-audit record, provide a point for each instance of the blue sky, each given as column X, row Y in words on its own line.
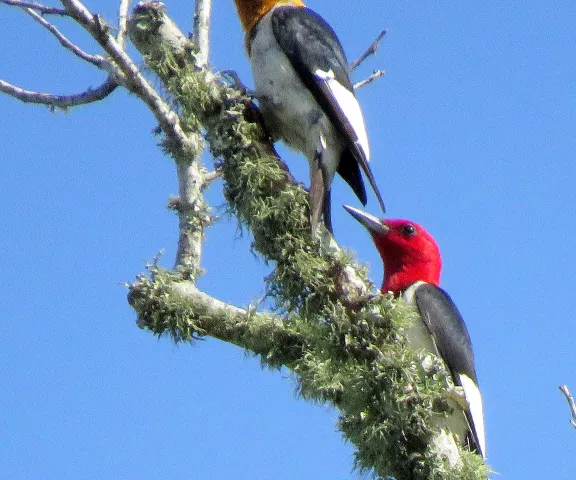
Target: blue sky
column 472, row 134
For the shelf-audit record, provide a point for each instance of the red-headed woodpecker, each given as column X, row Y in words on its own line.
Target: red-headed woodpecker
column 412, row 267
column 304, row 90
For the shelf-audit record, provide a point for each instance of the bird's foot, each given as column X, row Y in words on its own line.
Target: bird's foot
column 232, row 79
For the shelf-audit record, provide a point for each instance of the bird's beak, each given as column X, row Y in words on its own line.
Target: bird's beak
column 370, row 222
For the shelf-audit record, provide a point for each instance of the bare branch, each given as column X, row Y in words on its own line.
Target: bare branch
column 59, row 101
column 376, row 74
column 193, row 212
column 36, row 11
column 130, row 75
column 202, row 30
column 370, row 51
column 43, row 9
column 570, row 399
column 96, row 60
column 122, row 22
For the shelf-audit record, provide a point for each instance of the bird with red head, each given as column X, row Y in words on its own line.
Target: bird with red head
column 412, row 266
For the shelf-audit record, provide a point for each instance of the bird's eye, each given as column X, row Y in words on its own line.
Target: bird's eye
column 409, row 230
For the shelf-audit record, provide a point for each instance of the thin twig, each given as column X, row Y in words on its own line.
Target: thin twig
column 202, row 30
column 570, row 399
column 122, row 22
column 59, row 101
column 370, row 51
column 43, row 9
column 96, row 60
column 370, row 79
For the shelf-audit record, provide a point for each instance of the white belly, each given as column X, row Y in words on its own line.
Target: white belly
column 290, row 111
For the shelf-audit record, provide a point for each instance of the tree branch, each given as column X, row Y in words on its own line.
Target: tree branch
column 193, row 212
column 201, row 31
column 59, row 101
column 129, row 75
column 36, row 11
column 209, row 177
column 199, row 314
column 571, row 403
column 96, row 60
column 370, row 51
column 43, row 9
column 370, row 79
column 122, row 22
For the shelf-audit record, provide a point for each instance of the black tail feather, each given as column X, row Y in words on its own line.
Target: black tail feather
column 349, row 168
column 327, row 211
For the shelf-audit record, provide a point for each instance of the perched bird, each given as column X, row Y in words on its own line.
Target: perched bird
column 412, row 267
column 304, row 91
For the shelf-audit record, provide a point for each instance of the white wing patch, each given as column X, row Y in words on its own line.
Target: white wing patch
column 474, row 399
column 349, row 107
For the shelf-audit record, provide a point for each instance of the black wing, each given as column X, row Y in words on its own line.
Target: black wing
column 447, row 326
column 450, row 334
column 310, row 44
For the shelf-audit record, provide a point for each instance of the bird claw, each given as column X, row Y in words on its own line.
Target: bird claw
column 232, row 79
column 252, row 112
column 320, row 189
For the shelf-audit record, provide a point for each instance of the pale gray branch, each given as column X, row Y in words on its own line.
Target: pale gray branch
column 376, row 74
column 122, row 22
column 571, row 403
column 213, row 306
column 202, row 30
column 59, row 101
column 193, row 214
column 43, row 9
column 370, row 51
column 96, row 60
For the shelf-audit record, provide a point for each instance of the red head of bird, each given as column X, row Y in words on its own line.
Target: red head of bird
column 251, row 11
column 409, row 252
